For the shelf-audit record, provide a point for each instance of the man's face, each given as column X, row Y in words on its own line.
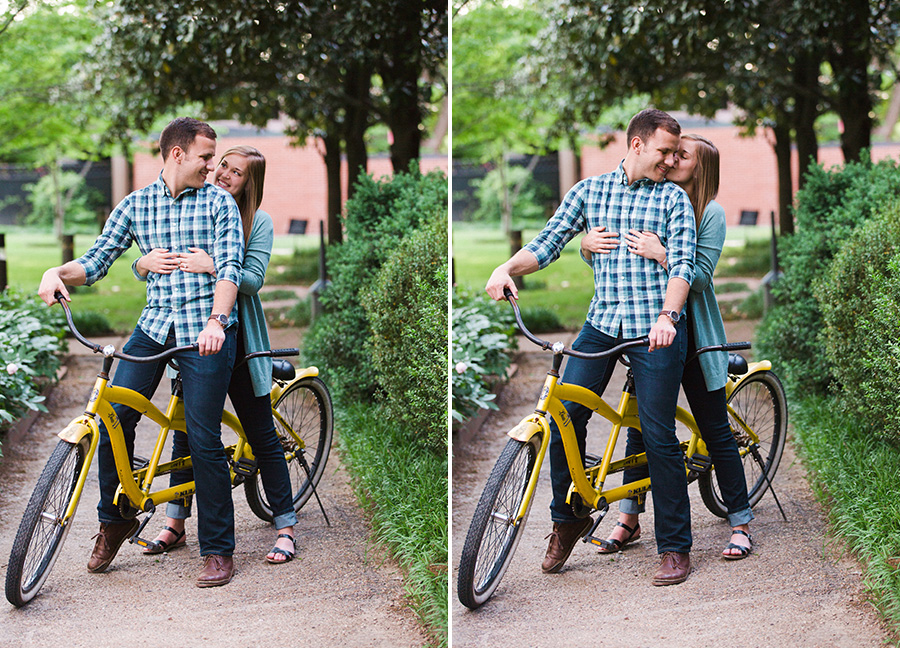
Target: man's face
column 655, row 156
column 197, row 162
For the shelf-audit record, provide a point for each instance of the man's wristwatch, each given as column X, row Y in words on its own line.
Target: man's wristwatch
column 672, row 315
column 221, row 319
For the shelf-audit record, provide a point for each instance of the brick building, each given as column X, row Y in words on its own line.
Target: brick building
column 296, row 187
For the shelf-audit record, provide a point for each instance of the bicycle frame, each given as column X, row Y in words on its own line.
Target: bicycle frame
column 588, row 483
column 135, row 484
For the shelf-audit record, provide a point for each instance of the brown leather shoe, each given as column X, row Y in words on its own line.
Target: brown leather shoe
column 109, row 539
column 217, row 570
column 674, row 568
column 562, row 541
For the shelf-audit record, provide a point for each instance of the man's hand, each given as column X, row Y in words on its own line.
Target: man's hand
column 662, row 334
column 599, row 241
column 499, row 281
column 158, row 260
column 211, row 338
column 50, row 284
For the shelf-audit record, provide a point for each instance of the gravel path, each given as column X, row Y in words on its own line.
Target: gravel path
column 798, row 588
column 341, row 590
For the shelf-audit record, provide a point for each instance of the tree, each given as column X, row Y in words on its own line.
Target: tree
column 46, row 116
column 332, row 68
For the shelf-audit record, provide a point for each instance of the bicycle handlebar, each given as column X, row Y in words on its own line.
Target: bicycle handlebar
column 558, row 347
column 109, row 350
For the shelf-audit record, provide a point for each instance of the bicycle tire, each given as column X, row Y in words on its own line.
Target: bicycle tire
column 760, row 402
column 40, row 537
column 306, row 407
column 492, row 537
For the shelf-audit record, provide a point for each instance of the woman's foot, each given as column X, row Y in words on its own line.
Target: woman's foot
column 627, row 529
column 741, row 544
column 169, row 538
column 284, row 548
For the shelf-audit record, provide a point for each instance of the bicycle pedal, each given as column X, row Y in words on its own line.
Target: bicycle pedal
column 139, row 463
column 244, row 466
column 698, row 463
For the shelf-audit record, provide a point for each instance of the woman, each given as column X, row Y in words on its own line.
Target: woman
column 240, row 172
column 697, row 172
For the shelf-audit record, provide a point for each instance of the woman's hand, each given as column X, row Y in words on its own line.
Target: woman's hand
column 158, row 260
column 197, row 261
column 598, row 240
column 647, row 245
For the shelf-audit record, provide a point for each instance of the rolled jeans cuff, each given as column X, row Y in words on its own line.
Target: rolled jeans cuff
column 632, row 505
column 178, row 511
column 741, row 517
column 286, row 519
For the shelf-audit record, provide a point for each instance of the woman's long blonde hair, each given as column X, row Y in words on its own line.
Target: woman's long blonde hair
column 706, row 175
column 252, row 194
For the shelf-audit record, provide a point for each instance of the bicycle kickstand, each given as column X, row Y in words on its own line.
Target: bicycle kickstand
column 309, row 477
column 754, row 450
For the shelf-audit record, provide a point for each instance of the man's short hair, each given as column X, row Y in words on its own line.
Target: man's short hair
column 646, row 122
column 182, row 132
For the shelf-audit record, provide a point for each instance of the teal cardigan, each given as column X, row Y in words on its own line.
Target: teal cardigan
column 703, row 310
column 250, row 310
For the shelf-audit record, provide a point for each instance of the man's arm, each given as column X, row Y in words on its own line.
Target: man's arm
column 211, row 338
column 662, row 334
column 522, row 263
column 56, row 279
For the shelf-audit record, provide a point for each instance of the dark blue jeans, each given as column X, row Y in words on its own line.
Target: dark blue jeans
column 255, row 414
column 205, row 384
column 657, row 375
column 711, row 414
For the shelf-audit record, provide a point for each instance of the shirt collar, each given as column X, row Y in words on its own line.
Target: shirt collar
column 623, row 178
column 163, row 188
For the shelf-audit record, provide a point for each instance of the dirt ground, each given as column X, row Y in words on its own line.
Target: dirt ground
column 799, row 588
column 340, row 591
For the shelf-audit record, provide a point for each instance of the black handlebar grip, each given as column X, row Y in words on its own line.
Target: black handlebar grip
column 280, row 353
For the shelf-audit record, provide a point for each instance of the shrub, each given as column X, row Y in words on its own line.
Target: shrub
column 299, row 315
column 30, row 340
column 377, row 218
column 91, row 323
column 81, row 212
column 858, row 296
column 528, row 204
column 483, row 336
column 407, row 311
column 829, row 207
column 302, row 267
column 540, row 319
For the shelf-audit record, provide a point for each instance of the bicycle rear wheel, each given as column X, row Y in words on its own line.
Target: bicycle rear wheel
column 41, row 533
column 304, row 407
column 494, row 533
column 759, row 402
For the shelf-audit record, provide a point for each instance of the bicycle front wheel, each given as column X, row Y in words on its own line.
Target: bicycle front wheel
column 494, row 532
column 759, row 404
column 42, row 532
column 305, row 409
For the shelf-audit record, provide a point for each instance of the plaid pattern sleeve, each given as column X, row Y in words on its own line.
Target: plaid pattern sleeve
column 115, row 238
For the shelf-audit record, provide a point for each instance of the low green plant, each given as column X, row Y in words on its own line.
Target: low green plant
column 540, row 319
column 301, row 267
column 299, row 315
column 31, row 340
column 90, row 323
column 276, row 295
column 403, row 487
column 753, row 259
column 483, row 337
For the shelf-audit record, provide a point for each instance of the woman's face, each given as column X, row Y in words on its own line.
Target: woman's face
column 231, row 174
column 686, row 161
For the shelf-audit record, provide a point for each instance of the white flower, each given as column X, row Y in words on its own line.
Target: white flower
column 461, row 367
column 12, row 368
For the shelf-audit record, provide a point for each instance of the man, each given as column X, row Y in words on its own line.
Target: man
column 633, row 297
column 177, row 212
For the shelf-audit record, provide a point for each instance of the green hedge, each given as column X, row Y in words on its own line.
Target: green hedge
column 859, row 297
column 829, row 207
column 31, row 339
column 380, row 214
column 407, row 311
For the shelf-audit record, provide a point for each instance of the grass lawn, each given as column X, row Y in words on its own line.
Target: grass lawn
column 118, row 296
column 566, row 286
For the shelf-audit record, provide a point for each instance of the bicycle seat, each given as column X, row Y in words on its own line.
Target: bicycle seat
column 283, row 370
column 737, row 364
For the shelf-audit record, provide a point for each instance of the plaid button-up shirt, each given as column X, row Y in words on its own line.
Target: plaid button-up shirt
column 205, row 218
column 629, row 289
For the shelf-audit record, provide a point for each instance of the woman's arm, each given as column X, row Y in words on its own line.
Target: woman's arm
column 158, row 260
column 647, row 245
column 598, row 240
